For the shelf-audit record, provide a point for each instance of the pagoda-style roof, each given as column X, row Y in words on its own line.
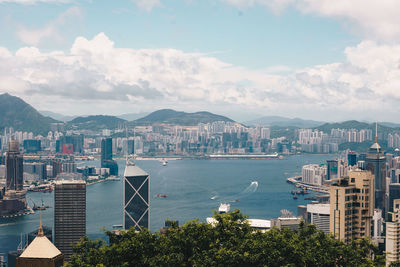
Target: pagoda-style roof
column 41, row 248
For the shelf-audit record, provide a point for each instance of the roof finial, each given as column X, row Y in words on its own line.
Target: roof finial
column 376, row 132
column 40, row 232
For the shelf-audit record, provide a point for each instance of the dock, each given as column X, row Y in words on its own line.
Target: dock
column 296, row 180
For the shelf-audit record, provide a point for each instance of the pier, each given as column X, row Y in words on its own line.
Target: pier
column 296, row 180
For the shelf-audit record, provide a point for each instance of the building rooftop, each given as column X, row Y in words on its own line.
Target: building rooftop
column 133, row 170
column 255, row 223
column 41, row 248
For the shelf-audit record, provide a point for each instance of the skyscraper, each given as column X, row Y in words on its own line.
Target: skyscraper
column 352, row 158
column 352, row 206
column 15, row 168
column 69, row 214
column 376, row 164
column 393, row 234
column 106, row 149
column 106, row 156
column 332, row 169
column 136, row 198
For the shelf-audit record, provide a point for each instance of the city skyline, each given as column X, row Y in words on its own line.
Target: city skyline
column 309, row 59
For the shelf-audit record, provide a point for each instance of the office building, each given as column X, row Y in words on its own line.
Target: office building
column 332, row 169
column 57, row 168
column 136, row 198
column 15, row 167
column 352, row 158
column 32, row 146
column 69, row 214
column 352, row 205
column 74, row 142
column 394, row 193
column 41, row 253
column 376, row 164
column 393, row 234
column 319, row 215
column 36, row 168
column 106, row 156
column 314, row 174
column 106, row 149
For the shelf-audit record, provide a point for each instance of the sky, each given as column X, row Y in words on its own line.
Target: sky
column 314, row 59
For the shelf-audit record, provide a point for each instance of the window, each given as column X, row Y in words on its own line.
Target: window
column 353, row 180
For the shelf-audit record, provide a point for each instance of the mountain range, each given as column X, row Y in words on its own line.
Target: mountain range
column 283, row 122
column 16, row 113
column 180, row 118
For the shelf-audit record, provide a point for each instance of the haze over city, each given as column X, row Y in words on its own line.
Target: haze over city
column 321, row 60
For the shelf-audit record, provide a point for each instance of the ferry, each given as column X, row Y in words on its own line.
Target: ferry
column 161, row 195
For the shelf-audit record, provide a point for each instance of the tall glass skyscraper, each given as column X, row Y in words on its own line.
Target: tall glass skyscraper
column 136, row 198
column 376, row 163
column 106, row 156
column 15, row 167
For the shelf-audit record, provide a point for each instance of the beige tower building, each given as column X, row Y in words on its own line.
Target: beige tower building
column 393, row 235
column 352, row 205
column 41, row 253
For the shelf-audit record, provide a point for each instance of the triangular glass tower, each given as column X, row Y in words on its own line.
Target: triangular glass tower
column 136, row 197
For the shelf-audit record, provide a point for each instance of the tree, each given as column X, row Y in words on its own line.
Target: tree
column 229, row 242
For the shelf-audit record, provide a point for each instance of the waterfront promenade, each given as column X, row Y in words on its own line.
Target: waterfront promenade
column 296, row 180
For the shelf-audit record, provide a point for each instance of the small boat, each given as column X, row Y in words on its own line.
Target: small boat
column 161, row 195
column 237, row 200
column 224, row 208
column 213, row 197
column 295, row 196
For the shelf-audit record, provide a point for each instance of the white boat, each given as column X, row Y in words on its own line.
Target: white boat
column 164, row 162
column 224, row 208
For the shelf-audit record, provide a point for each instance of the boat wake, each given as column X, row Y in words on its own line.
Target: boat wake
column 251, row 188
column 246, row 192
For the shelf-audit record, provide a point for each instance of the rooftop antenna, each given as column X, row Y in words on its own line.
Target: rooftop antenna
column 126, row 136
column 376, row 132
column 40, row 231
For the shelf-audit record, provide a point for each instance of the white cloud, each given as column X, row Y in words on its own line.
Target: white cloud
column 53, row 31
column 95, row 71
column 372, row 19
column 147, row 5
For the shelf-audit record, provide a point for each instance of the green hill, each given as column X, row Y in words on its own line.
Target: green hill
column 16, row 113
column 353, row 124
column 170, row 116
column 96, row 122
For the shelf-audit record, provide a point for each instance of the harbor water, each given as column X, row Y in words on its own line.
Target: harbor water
column 194, row 189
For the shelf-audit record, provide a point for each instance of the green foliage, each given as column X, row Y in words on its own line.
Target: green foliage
column 96, row 122
column 230, row 242
column 16, row 113
column 279, row 131
column 180, row 118
column 362, row 147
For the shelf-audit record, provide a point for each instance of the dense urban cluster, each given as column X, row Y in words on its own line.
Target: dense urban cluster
column 359, row 192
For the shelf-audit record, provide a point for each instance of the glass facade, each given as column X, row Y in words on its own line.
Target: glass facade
column 136, row 202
